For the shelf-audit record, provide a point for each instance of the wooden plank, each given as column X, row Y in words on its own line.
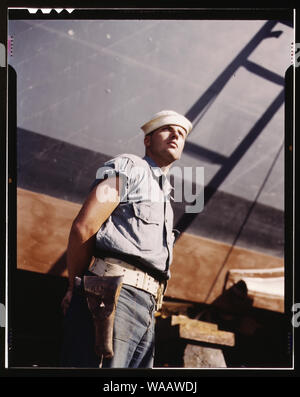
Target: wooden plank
column 189, row 322
column 202, row 331
column 237, row 274
column 267, row 301
column 265, row 286
column 215, row 337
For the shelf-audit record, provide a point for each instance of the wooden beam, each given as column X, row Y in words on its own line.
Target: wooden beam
column 265, row 286
column 201, row 331
column 271, row 302
column 189, row 322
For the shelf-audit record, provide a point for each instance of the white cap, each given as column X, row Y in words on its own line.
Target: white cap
column 167, row 117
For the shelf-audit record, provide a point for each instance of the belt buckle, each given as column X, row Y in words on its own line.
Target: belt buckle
column 160, row 296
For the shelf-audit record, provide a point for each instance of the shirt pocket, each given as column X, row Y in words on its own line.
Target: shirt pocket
column 147, row 213
column 149, row 223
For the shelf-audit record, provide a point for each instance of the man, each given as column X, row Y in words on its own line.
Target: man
column 126, row 224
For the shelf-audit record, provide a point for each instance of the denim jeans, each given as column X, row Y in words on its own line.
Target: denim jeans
column 133, row 338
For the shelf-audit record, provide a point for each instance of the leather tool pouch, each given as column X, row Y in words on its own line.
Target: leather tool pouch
column 102, row 294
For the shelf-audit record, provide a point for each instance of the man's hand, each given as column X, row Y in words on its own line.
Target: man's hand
column 65, row 303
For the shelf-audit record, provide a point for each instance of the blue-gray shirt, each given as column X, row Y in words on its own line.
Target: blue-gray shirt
column 140, row 229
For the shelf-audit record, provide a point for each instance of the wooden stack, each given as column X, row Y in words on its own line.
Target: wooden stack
column 265, row 286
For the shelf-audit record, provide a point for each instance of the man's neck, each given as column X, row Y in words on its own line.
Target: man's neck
column 160, row 163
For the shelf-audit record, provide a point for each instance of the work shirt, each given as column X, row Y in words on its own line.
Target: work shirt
column 140, row 229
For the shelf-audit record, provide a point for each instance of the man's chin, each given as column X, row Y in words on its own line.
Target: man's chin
column 174, row 152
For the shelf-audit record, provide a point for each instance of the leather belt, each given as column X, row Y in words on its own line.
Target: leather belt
column 132, row 275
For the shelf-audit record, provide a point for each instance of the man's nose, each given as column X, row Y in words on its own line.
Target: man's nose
column 175, row 133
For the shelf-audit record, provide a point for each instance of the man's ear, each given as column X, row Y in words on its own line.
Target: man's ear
column 147, row 140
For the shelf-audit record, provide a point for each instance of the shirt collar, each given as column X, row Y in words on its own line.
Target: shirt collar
column 157, row 171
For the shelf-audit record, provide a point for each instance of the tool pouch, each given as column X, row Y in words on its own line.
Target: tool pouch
column 102, row 294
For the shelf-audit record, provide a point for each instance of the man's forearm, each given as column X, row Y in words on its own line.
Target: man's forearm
column 98, row 206
column 79, row 253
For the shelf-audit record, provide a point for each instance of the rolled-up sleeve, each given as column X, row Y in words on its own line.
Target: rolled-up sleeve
column 119, row 166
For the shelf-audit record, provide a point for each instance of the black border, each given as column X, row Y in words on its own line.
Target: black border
column 233, row 14
column 133, row 10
